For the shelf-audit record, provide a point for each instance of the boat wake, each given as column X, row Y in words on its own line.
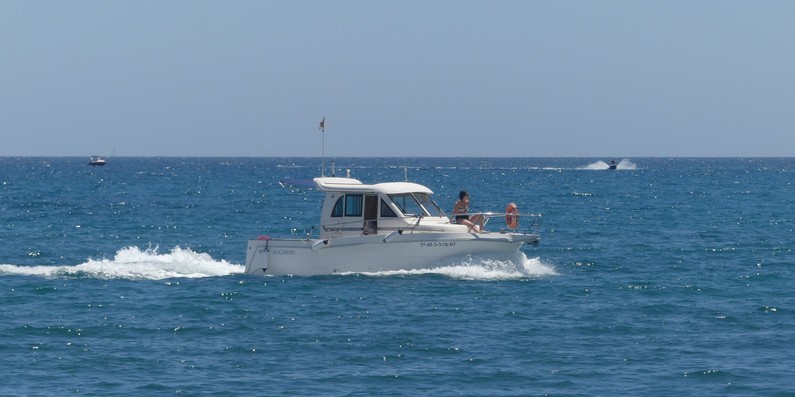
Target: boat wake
column 134, row 264
column 482, row 268
column 601, row 165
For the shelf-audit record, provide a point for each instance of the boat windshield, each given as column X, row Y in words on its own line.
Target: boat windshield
column 416, row 204
column 430, row 206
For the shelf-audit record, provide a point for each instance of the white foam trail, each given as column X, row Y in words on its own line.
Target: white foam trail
column 134, row 264
column 627, row 165
column 480, row 268
column 599, row 165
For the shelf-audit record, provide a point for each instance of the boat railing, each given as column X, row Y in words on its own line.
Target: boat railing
column 526, row 221
column 535, row 220
column 357, row 225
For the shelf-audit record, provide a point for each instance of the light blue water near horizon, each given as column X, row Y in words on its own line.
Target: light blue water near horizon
column 669, row 276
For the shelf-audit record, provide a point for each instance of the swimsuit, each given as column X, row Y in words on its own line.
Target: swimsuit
column 461, row 218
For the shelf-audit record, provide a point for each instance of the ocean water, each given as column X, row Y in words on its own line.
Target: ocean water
column 667, row 277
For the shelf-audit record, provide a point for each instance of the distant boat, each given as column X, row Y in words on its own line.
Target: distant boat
column 612, row 165
column 96, row 160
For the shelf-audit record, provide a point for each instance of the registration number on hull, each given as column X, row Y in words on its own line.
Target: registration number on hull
column 437, row 244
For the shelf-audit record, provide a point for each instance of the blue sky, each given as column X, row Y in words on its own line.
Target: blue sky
column 408, row 78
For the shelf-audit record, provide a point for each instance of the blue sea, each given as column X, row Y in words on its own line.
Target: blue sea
column 666, row 277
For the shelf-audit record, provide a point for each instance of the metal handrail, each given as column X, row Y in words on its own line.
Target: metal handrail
column 537, row 219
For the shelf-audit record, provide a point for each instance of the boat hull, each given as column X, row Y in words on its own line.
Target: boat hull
column 375, row 253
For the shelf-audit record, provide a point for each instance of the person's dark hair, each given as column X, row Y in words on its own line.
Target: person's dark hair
column 462, row 194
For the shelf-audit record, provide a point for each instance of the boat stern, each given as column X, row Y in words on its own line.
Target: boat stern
column 258, row 256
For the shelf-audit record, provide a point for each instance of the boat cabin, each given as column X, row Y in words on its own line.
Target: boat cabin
column 352, row 208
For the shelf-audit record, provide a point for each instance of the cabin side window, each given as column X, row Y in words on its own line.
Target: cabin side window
column 387, row 212
column 353, row 205
column 348, row 205
column 339, row 208
column 407, row 204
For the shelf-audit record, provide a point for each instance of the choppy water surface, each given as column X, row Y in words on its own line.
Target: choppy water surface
column 664, row 277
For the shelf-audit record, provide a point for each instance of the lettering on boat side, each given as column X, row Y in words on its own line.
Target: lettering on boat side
column 438, row 244
column 282, row 251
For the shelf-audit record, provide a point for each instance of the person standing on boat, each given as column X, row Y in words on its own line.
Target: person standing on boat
column 461, row 212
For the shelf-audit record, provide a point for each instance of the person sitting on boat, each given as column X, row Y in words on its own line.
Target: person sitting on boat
column 461, row 212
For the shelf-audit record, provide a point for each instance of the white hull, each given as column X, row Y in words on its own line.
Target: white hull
column 375, row 253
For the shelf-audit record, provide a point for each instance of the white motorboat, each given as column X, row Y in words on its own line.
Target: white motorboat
column 96, row 160
column 384, row 227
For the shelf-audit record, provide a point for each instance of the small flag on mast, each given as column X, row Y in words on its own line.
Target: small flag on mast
column 322, row 126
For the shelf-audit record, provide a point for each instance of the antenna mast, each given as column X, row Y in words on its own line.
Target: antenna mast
column 322, row 128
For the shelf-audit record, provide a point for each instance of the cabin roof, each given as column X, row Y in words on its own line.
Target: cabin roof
column 333, row 184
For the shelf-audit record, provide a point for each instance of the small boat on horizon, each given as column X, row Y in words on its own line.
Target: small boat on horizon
column 384, row 227
column 612, row 165
column 96, row 160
